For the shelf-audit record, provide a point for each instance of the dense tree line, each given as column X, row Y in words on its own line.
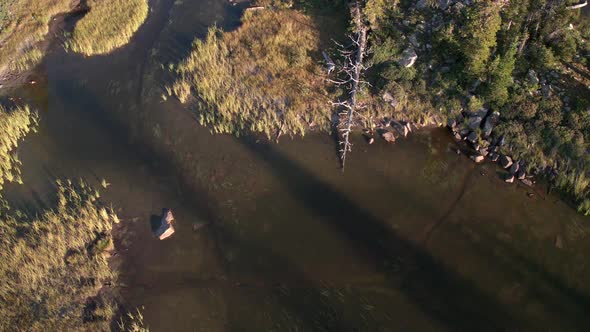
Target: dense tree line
column 529, row 60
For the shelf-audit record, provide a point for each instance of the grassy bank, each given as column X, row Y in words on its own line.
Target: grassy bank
column 53, row 266
column 259, row 78
column 23, row 24
column 108, row 25
column 15, row 124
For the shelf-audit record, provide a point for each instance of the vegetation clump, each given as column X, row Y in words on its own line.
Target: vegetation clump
column 527, row 60
column 259, row 78
column 15, row 124
column 108, row 25
column 23, row 24
column 53, row 266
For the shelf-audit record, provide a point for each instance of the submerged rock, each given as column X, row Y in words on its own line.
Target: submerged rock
column 166, row 228
column 559, row 241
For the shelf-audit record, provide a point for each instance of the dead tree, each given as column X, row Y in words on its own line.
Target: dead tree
column 352, row 70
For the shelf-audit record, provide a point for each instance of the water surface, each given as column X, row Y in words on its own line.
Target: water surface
column 411, row 237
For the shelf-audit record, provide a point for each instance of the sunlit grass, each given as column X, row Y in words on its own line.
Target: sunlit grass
column 109, row 25
column 15, row 124
column 52, row 266
column 23, row 23
column 258, row 78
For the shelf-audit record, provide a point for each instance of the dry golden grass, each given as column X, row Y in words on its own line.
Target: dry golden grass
column 53, row 266
column 23, row 24
column 109, row 25
column 258, row 78
column 15, row 124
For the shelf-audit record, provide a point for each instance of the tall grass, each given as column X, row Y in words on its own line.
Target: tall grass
column 258, row 78
column 109, row 25
column 24, row 23
column 15, row 124
column 53, row 266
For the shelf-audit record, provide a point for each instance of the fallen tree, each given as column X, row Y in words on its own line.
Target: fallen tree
column 352, row 69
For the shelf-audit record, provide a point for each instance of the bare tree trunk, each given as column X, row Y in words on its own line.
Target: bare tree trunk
column 353, row 68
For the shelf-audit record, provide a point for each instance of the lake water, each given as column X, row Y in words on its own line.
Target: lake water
column 412, row 237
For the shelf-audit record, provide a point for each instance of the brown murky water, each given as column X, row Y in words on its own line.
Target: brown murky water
column 411, row 237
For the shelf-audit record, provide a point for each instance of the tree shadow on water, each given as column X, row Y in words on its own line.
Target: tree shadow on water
column 438, row 291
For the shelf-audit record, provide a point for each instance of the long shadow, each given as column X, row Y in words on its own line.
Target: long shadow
column 542, row 283
column 438, row 291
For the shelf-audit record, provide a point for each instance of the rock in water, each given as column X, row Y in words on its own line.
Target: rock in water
column 509, row 179
column 490, row 123
column 477, row 158
column 166, row 229
column 388, row 136
column 559, row 242
column 505, row 161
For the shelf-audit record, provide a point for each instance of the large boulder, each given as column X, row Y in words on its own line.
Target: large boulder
column 408, row 58
column 505, row 161
column 166, row 228
column 490, row 123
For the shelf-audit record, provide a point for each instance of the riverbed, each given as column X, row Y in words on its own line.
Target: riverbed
column 411, row 237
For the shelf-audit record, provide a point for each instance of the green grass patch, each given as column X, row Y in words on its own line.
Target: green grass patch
column 53, row 266
column 109, row 25
column 15, row 124
column 259, row 78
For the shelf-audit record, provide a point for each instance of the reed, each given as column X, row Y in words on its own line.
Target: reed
column 108, row 25
column 15, row 124
column 259, row 78
column 53, row 266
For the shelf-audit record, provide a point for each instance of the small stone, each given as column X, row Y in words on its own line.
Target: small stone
column 477, row 158
column 559, row 242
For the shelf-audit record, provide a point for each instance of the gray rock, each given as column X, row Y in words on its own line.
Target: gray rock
column 451, row 123
column 472, row 137
column 477, row 158
column 521, row 174
column 509, row 179
column 409, row 57
column 388, row 136
column 474, row 122
column 514, row 168
column 166, row 228
column 402, row 128
column 527, row 182
column 490, row 123
column 494, row 157
column 505, row 161
column 559, row 241
column 532, row 77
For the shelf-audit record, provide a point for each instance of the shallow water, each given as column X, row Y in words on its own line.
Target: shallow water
column 411, row 237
